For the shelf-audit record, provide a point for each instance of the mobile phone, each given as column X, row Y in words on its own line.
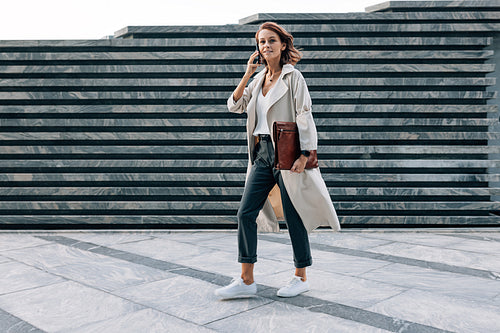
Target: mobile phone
column 257, row 58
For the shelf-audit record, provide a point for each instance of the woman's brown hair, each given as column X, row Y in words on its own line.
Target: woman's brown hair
column 290, row 55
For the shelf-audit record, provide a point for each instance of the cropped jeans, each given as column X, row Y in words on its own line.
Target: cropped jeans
column 260, row 182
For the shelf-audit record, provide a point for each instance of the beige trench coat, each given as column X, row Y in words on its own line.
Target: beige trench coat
column 307, row 190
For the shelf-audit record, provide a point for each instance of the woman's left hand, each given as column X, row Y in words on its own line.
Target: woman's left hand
column 299, row 165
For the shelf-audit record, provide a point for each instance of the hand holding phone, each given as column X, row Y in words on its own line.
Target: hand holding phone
column 257, row 58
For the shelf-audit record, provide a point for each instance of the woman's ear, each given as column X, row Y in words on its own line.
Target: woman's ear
column 283, row 46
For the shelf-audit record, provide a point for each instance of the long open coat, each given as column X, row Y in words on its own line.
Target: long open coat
column 289, row 100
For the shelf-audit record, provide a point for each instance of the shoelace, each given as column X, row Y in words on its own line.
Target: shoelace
column 236, row 280
column 294, row 281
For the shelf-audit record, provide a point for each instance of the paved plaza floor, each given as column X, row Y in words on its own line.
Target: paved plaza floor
column 374, row 280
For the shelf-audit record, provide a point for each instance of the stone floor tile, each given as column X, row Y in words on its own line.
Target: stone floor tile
column 189, row 299
column 196, row 237
column 494, row 235
column 163, row 249
column 344, row 264
column 14, row 241
column 108, row 238
column 489, row 262
column 53, row 255
column 15, row 276
column 147, row 320
column 275, row 251
column 225, row 263
column 338, row 288
column 443, row 283
column 227, row 243
column 184, row 299
column 346, row 240
column 496, row 301
column 11, row 324
column 476, row 246
column 265, row 249
column 64, row 306
column 279, row 317
column 111, row 274
column 4, row 259
column 280, row 234
column 443, row 312
column 418, row 238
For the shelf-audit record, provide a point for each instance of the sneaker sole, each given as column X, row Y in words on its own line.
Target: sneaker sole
column 288, row 296
column 236, row 296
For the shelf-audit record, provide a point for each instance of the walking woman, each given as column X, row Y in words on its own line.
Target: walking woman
column 277, row 93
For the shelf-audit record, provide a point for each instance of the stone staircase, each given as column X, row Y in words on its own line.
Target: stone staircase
column 133, row 131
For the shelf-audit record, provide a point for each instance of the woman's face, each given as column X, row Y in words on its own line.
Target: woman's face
column 270, row 45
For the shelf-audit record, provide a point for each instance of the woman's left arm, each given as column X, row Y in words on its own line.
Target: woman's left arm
column 308, row 135
column 305, row 122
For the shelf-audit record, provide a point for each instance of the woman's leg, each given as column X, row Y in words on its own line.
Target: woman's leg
column 297, row 231
column 247, row 273
column 259, row 183
column 301, row 272
column 301, row 249
column 254, row 197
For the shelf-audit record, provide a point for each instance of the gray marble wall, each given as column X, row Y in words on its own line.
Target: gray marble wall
column 495, row 127
column 134, row 130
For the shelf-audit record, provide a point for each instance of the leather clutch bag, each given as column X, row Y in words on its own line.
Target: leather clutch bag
column 287, row 146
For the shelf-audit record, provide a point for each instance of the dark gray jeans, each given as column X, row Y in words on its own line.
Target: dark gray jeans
column 260, row 182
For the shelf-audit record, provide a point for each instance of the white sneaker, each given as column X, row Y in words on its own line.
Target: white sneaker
column 237, row 288
column 295, row 287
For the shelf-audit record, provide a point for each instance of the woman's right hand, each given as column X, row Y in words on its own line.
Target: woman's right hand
column 251, row 67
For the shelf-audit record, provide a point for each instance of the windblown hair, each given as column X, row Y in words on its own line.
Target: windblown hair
column 288, row 56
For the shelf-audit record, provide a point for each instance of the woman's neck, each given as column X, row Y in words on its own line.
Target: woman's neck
column 273, row 68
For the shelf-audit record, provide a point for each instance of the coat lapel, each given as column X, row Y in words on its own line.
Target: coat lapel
column 276, row 92
column 252, row 106
column 280, row 89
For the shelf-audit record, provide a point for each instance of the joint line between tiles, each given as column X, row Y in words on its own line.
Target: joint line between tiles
column 28, row 325
column 396, row 259
column 218, row 279
column 238, row 313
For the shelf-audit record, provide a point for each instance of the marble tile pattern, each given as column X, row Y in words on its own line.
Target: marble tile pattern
column 15, row 276
column 360, row 17
column 304, row 28
column 286, row 318
column 132, row 56
column 235, row 122
column 90, row 281
column 134, row 130
column 434, row 5
column 311, row 40
column 172, row 83
column 64, row 306
column 453, row 315
column 147, row 320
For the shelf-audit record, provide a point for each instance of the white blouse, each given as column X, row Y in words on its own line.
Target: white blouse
column 261, row 127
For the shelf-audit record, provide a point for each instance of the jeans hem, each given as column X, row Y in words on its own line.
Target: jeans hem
column 247, row 260
column 303, row 264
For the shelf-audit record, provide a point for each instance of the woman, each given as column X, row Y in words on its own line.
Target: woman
column 278, row 93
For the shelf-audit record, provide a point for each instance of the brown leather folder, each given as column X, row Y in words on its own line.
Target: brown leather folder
column 287, row 146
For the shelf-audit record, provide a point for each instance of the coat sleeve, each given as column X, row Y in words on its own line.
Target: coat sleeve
column 241, row 105
column 303, row 107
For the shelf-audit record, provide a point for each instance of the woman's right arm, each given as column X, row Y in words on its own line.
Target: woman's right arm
column 239, row 92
